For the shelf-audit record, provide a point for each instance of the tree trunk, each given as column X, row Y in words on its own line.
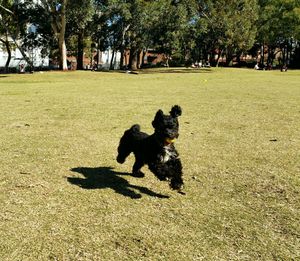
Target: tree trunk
column 219, row 56
column 122, row 59
column 143, row 58
column 8, row 57
column 80, row 45
column 98, row 58
column 262, row 55
column 61, row 40
column 269, row 55
column 139, row 62
column 133, row 58
column 111, row 67
column 229, row 57
column 238, row 58
column 63, row 55
column 7, row 46
column 123, row 64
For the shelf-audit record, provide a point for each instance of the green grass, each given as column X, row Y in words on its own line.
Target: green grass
column 64, row 197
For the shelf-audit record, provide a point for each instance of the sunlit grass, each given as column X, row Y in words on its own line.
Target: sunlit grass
column 64, row 197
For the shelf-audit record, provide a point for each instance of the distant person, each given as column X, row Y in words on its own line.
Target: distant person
column 284, row 68
column 269, row 66
column 22, row 68
column 256, row 67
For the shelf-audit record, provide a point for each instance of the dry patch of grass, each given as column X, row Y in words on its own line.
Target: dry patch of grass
column 64, row 197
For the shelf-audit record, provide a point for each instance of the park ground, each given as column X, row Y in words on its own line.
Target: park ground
column 63, row 196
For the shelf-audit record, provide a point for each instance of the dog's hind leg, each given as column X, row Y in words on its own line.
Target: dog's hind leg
column 136, row 169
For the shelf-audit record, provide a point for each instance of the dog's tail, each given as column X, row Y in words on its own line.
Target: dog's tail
column 135, row 128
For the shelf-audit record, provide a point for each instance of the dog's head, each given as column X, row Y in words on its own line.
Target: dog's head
column 166, row 127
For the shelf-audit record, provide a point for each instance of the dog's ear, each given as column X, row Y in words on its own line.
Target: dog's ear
column 175, row 111
column 159, row 115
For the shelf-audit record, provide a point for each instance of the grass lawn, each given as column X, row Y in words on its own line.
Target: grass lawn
column 63, row 196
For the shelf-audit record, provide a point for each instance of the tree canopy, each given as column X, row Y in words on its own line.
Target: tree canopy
column 183, row 30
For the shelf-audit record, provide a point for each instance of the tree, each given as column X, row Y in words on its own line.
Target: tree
column 11, row 25
column 170, row 28
column 110, row 27
column 136, row 21
column 279, row 27
column 6, row 18
column 139, row 24
column 230, row 25
column 56, row 11
column 38, row 33
column 128, row 27
column 79, row 14
column 98, row 28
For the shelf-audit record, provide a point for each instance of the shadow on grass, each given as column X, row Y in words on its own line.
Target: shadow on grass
column 163, row 70
column 106, row 177
column 176, row 70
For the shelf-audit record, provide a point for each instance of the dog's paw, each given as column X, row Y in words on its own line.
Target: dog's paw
column 120, row 160
column 176, row 185
column 138, row 174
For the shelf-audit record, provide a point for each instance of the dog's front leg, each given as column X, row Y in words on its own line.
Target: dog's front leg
column 136, row 169
column 159, row 169
column 175, row 174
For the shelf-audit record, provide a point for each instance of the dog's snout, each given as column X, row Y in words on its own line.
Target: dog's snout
column 171, row 134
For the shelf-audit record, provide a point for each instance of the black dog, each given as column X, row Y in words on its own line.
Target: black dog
column 156, row 150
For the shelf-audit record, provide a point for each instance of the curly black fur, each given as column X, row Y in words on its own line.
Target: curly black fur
column 156, row 150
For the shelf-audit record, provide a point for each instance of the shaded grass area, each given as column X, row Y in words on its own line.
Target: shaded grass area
column 64, row 197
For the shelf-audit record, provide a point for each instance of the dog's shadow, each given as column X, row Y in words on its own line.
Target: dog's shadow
column 106, row 177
